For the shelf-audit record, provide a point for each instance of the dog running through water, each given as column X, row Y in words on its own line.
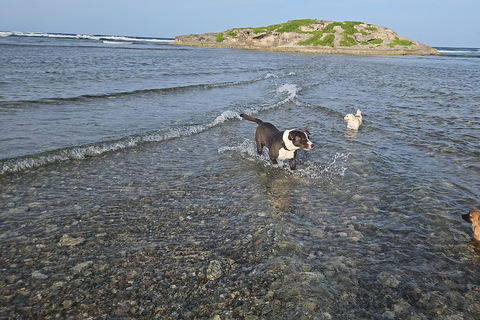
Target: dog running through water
column 281, row 145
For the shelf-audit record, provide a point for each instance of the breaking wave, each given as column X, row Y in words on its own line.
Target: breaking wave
column 95, row 149
column 21, row 163
column 102, row 38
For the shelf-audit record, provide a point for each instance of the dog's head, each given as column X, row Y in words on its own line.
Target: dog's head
column 349, row 117
column 301, row 139
column 474, row 218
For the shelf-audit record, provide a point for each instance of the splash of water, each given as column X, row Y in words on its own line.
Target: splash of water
column 312, row 170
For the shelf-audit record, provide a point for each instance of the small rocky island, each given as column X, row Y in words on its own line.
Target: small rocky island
column 312, row 36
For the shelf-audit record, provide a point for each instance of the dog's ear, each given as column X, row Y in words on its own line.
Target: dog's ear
column 474, row 215
column 292, row 134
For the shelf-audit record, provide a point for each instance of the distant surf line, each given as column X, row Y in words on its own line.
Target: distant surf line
column 83, row 36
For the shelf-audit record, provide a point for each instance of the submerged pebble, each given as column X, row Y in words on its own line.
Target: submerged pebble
column 388, row 280
column 39, row 275
column 214, row 270
column 68, row 241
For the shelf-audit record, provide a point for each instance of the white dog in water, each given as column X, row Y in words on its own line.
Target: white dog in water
column 353, row 121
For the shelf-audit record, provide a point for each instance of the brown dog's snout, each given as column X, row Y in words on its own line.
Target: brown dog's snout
column 466, row 217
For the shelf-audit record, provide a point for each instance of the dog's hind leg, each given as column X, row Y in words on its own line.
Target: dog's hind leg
column 259, row 148
column 259, row 145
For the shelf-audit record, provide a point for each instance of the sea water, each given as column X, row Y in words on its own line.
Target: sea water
column 131, row 188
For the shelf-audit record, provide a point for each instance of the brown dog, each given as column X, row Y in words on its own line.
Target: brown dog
column 474, row 218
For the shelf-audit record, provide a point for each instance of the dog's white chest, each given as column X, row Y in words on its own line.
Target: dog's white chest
column 354, row 124
column 285, row 154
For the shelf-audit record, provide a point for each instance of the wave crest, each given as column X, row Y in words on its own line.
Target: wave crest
column 80, row 152
column 84, row 36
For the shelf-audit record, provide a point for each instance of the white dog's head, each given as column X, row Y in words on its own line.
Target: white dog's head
column 349, row 117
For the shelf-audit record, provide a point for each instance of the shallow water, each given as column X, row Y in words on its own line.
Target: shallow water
column 149, row 200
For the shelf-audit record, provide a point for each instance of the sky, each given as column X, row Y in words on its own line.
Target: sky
column 438, row 23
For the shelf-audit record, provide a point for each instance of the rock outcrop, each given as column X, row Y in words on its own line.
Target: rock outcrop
column 312, row 36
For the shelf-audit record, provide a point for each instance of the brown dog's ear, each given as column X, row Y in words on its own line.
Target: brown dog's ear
column 474, row 215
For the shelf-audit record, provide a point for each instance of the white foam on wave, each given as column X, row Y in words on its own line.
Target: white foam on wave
column 454, row 51
column 116, row 42
column 25, row 163
column 291, row 89
column 271, row 75
column 81, row 152
column 120, row 38
column 460, row 51
column 225, row 116
column 104, row 38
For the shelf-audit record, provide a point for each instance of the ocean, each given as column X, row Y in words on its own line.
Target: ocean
column 130, row 188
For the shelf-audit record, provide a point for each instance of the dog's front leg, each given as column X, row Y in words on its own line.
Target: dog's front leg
column 274, row 160
column 293, row 161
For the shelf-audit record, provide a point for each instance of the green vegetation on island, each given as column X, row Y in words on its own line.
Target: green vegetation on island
column 311, row 35
column 290, row 26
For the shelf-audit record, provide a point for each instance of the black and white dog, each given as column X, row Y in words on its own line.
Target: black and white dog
column 281, row 144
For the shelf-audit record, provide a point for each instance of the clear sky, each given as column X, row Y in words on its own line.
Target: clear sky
column 453, row 23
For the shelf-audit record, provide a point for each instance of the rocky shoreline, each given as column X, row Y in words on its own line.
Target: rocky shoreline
column 312, row 36
column 171, row 262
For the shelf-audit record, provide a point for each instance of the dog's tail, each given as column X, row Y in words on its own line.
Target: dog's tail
column 249, row 118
